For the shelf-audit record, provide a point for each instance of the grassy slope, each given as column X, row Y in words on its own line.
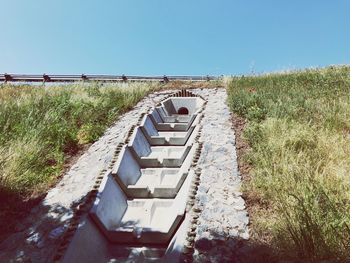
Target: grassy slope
column 41, row 126
column 299, row 133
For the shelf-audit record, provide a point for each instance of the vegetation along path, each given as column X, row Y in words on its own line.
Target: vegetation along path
column 295, row 151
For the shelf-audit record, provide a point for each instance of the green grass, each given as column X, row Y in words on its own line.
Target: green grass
column 299, row 133
column 41, row 125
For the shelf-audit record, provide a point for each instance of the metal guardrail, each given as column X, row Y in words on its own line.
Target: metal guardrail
column 106, row 78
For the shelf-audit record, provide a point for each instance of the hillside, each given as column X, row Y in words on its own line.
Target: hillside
column 295, row 159
column 292, row 139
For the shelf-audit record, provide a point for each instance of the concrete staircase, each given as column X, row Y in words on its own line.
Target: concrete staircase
column 139, row 209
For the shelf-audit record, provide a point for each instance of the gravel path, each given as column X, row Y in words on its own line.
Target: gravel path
column 223, row 220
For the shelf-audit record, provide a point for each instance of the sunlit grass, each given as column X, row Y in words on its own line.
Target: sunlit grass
column 40, row 126
column 299, row 133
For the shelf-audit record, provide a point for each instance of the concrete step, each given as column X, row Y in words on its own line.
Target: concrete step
column 161, row 125
column 167, row 137
column 139, row 182
column 158, row 156
column 179, row 109
column 137, row 221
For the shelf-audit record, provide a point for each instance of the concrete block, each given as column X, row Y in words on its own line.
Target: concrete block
column 160, row 125
column 138, row 182
column 158, row 156
column 158, row 138
column 137, row 221
column 176, row 106
column 178, row 109
column 89, row 245
column 173, row 118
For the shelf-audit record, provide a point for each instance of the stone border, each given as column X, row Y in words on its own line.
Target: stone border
column 192, row 209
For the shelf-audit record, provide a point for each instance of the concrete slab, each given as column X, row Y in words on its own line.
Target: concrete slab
column 157, row 156
column 176, row 106
column 158, row 138
column 138, row 182
column 89, row 245
column 137, row 221
column 179, row 109
column 160, row 125
column 176, row 118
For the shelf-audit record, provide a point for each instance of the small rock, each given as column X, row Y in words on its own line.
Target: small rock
column 66, row 216
column 244, row 235
column 33, row 239
column 233, row 233
column 202, row 199
column 201, row 229
column 203, row 189
column 57, row 232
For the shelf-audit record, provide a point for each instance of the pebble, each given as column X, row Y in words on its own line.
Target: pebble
column 33, row 239
column 57, row 232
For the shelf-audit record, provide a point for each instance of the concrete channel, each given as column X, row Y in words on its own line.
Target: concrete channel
column 142, row 209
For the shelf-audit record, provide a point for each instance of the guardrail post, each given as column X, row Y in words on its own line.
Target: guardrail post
column 8, row 77
column 46, row 78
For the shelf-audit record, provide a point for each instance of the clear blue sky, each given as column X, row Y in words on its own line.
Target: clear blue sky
column 152, row 37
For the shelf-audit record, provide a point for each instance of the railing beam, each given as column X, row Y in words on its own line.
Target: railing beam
column 106, row 78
